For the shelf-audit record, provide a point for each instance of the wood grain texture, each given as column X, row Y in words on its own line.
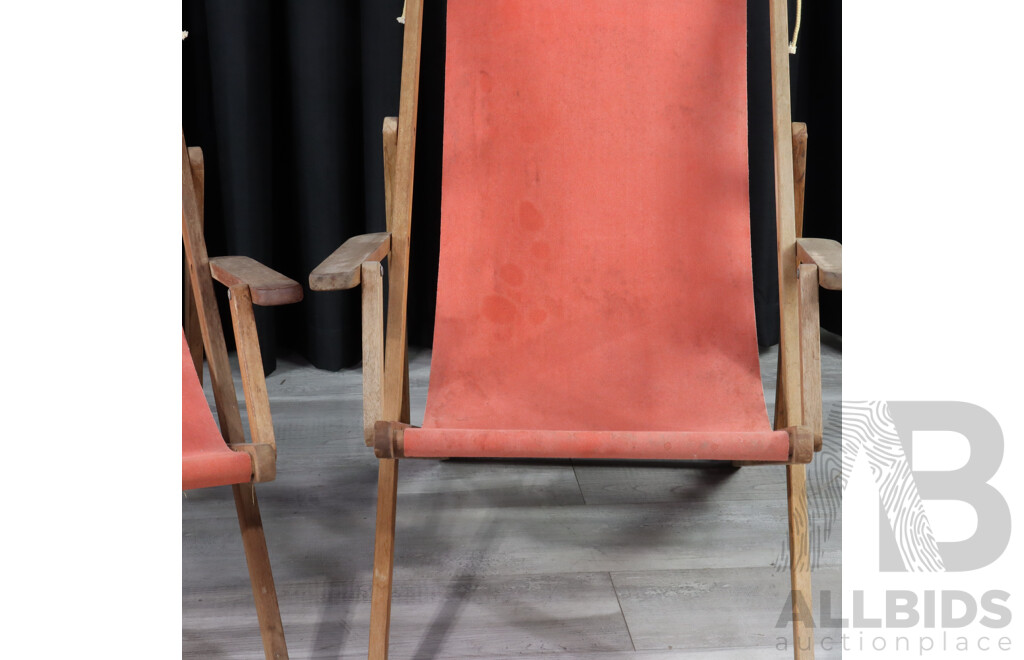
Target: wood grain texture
column 572, row 615
column 650, row 482
column 500, row 525
column 790, row 380
column 396, row 358
column 401, row 227
column 341, row 270
column 799, row 185
column 388, row 439
column 389, row 136
column 260, row 576
column 537, row 605
column 654, row 604
column 264, row 460
column 780, row 399
column 250, row 363
column 206, row 306
column 383, row 558
column 406, row 402
column 785, row 218
column 267, row 287
column 390, row 139
column 799, row 174
column 224, row 392
column 193, row 332
column 442, row 537
column 800, row 562
column 484, row 534
column 801, row 444
column 810, row 351
column 827, row 255
column 373, row 346
column 485, row 525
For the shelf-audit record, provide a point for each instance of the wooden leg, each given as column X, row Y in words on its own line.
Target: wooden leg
column 263, row 591
column 383, row 558
column 395, row 357
column 800, row 562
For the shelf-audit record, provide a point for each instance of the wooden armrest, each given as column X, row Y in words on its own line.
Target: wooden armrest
column 827, row 255
column 268, row 287
column 341, row 269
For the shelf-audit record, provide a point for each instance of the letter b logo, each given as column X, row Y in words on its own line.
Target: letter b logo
column 883, row 431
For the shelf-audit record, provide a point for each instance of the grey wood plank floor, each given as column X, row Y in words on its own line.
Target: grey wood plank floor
column 503, row 559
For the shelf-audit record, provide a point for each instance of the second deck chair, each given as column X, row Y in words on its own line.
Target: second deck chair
column 594, row 292
column 222, row 457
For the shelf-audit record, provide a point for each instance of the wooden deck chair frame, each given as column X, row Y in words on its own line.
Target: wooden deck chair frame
column 803, row 265
column 249, row 283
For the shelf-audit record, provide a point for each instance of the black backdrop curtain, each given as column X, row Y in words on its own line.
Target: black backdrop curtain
column 287, row 98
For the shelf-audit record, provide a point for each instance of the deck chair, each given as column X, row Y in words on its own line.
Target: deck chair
column 222, row 457
column 594, row 290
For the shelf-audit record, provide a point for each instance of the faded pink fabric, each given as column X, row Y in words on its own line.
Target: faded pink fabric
column 595, row 292
column 205, row 459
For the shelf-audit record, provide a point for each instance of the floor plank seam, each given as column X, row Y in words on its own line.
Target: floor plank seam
column 496, row 559
column 579, row 486
column 615, row 591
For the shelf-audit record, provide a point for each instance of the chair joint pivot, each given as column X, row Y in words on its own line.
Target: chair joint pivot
column 388, row 439
column 801, row 444
column 264, row 459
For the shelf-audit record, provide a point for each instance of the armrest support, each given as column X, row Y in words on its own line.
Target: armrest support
column 341, row 270
column 827, row 255
column 263, row 448
column 810, row 353
column 268, row 287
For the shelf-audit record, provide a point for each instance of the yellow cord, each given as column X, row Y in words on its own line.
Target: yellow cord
column 401, row 19
column 796, row 28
